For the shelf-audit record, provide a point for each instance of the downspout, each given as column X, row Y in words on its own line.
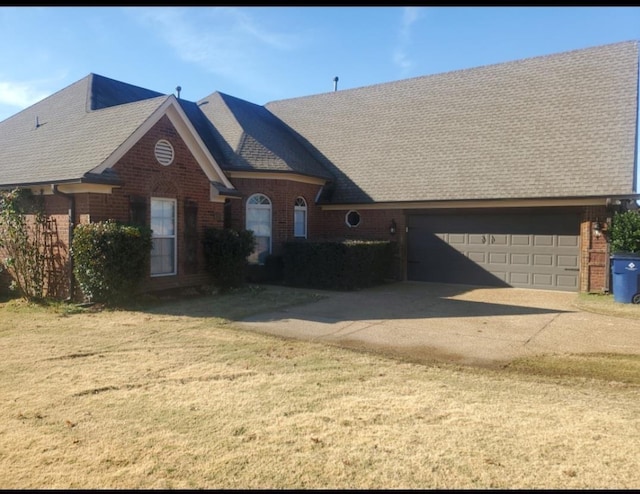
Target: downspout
column 72, row 216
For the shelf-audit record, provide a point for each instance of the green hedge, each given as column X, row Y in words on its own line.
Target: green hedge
column 625, row 232
column 110, row 260
column 226, row 252
column 337, row 265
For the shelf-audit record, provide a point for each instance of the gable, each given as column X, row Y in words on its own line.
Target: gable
column 187, row 132
column 60, row 140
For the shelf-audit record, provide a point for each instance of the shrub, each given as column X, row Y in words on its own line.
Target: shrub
column 23, row 241
column 338, row 265
column 226, row 252
column 110, row 260
column 625, row 232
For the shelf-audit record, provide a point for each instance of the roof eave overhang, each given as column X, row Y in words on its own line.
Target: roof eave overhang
column 608, row 200
column 220, row 193
column 69, row 186
column 276, row 175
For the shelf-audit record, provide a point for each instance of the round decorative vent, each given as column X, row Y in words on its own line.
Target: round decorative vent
column 164, row 152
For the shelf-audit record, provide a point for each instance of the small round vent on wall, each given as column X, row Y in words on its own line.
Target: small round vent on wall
column 164, row 152
column 352, row 219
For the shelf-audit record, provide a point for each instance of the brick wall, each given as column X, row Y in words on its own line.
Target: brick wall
column 143, row 177
column 283, row 194
column 183, row 180
column 594, row 255
column 56, row 240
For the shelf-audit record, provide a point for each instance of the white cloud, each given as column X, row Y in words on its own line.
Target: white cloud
column 410, row 15
column 226, row 41
column 20, row 94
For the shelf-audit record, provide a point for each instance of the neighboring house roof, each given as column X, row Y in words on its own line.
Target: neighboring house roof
column 78, row 132
column 555, row 126
column 252, row 139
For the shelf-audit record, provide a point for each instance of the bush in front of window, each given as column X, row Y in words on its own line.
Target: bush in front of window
column 110, row 260
column 226, row 252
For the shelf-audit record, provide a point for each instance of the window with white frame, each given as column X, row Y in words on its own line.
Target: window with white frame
column 163, row 226
column 259, row 221
column 300, row 218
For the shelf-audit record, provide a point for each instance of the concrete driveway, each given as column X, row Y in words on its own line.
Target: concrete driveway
column 453, row 323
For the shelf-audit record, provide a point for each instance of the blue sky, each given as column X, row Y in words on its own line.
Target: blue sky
column 262, row 54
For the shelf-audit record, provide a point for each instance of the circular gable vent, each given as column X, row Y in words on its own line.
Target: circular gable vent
column 164, row 152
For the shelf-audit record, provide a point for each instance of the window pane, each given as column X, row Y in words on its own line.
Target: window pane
column 259, row 221
column 299, row 223
column 163, row 225
column 162, row 217
column 162, row 256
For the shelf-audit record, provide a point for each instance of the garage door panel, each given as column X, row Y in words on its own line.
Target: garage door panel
column 476, row 239
column 543, row 260
column 479, row 257
column 531, row 251
column 568, row 241
column 543, row 280
column 568, row 282
column 543, row 240
column 498, row 258
column 567, row 261
column 519, row 278
column 522, row 259
column 457, row 239
column 501, row 275
column 521, row 240
column 497, row 239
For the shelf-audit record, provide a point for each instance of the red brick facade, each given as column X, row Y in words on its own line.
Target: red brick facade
column 594, row 259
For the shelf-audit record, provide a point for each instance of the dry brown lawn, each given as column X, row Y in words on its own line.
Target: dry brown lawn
column 174, row 396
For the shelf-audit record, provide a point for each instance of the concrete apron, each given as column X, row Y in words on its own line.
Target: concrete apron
column 453, row 323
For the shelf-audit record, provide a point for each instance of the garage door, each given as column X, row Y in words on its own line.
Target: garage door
column 527, row 251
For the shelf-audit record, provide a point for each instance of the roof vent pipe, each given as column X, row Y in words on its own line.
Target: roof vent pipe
column 178, row 89
column 335, row 83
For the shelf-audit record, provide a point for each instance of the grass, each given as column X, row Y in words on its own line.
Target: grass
column 605, row 304
column 171, row 395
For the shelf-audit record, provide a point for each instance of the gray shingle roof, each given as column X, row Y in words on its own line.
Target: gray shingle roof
column 252, row 139
column 70, row 140
column 555, row 126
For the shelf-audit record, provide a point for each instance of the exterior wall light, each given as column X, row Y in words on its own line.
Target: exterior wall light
column 393, row 227
column 599, row 227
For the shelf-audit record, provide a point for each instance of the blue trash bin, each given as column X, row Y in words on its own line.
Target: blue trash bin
column 625, row 274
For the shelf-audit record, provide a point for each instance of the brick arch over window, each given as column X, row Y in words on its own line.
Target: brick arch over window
column 164, row 188
column 258, row 216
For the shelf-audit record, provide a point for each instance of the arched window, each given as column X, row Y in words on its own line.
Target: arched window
column 300, row 218
column 259, row 221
